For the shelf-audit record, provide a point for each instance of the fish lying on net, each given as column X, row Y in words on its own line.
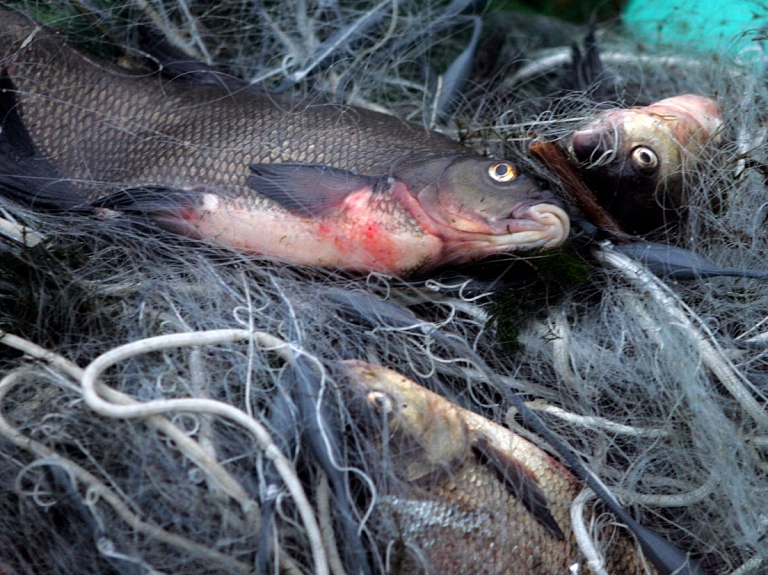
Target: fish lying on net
column 472, row 496
column 306, row 182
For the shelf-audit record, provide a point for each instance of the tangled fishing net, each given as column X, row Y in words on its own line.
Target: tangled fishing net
column 659, row 386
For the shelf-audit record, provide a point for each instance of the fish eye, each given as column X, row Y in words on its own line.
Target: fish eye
column 502, row 172
column 380, row 401
column 645, row 159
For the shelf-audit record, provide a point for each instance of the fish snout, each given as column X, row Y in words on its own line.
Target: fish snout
column 550, row 217
column 594, row 146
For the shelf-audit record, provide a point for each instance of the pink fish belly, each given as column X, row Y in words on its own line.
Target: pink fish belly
column 355, row 238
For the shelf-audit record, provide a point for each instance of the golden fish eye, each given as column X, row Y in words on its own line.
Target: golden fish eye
column 502, row 172
column 645, row 158
column 380, row 401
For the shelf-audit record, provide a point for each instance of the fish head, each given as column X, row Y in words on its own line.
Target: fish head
column 635, row 159
column 426, row 433
column 633, row 163
column 480, row 206
column 627, row 144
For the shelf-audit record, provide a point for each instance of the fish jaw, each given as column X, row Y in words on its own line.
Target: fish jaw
column 611, row 137
column 470, row 236
column 479, row 206
column 675, row 127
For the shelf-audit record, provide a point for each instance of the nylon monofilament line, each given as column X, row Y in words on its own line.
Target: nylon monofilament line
column 651, row 370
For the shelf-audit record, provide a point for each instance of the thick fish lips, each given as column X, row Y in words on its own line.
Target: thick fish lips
column 479, row 207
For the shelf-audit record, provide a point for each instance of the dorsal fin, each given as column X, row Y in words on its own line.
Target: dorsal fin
column 174, row 64
column 14, row 138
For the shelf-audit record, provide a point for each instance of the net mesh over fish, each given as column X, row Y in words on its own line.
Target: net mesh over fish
column 659, row 386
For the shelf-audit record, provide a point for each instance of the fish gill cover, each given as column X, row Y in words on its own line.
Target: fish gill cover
column 659, row 386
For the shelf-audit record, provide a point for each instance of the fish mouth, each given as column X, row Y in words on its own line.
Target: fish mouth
column 595, row 145
column 549, row 222
column 361, row 381
column 532, row 225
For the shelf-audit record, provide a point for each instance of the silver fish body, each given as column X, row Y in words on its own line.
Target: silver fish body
column 194, row 158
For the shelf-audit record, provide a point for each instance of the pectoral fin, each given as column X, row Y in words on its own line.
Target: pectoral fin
column 519, row 480
column 309, row 190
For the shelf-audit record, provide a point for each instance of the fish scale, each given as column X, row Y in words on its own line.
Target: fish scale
column 160, row 133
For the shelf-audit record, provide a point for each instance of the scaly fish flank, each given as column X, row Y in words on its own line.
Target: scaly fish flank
column 635, row 159
column 468, row 495
column 294, row 180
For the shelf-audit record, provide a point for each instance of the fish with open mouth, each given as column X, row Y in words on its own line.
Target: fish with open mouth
column 635, row 159
column 468, row 495
column 299, row 181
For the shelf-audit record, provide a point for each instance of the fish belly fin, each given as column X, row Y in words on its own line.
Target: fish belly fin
column 520, row 481
column 308, row 190
column 174, row 209
column 25, row 175
column 148, row 199
column 26, row 181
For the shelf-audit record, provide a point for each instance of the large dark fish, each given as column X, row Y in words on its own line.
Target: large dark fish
column 473, row 497
column 300, row 181
column 635, row 159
